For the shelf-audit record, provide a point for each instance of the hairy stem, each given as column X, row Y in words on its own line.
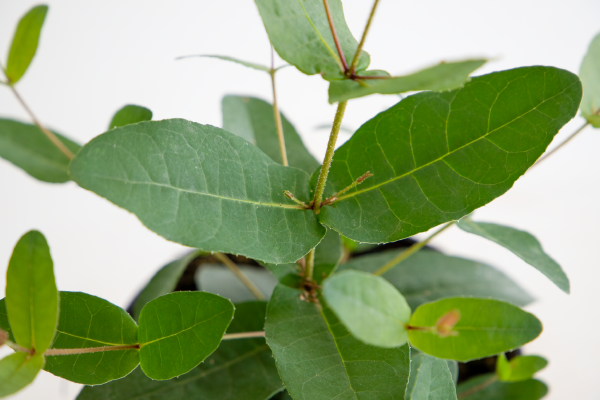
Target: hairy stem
column 66, row 352
column 51, row 136
column 335, row 129
column 310, row 265
column 278, row 125
column 240, row 275
column 243, row 335
column 361, row 179
column 362, row 40
column 477, row 388
column 562, row 144
column 410, row 251
column 336, row 40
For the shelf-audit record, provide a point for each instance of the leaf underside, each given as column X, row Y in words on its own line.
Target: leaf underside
column 17, row 371
column 430, row 379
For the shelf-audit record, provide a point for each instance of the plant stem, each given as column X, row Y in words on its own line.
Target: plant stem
column 336, row 40
column 410, row 251
column 243, row 335
column 18, row 348
column 362, row 40
column 563, row 143
column 66, row 352
column 361, row 179
column 310, row 265
column 278, row 125
column 335, row 129
column 51, row 136
column 477, row 388
column 240, row 275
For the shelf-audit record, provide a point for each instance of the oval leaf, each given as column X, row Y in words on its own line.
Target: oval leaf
column 486, row 327
column 89, row 321
column 369, row 306
column 130, row 114
column 31, row 294
column 436, row 156
column 28, row 148
column 25, row 43
column 179, row 330
column 523, row 244
column 202, row 187
column 486, row 387
column 430, row 379
column 590, row 78
column 519, row 368
column 17, row 371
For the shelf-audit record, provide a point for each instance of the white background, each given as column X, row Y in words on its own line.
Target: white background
column 95, row 57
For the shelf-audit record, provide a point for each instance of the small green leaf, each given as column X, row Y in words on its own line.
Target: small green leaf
column 369, row 306
column 317, row 358
column 487, row 387
column 444, row 76
column 25, row 43
column 164, row 282
column 590, row 78
column 486, row 327
column 17, row 371
column 178, row 331
column 430, row 379
column 429, row 275
column 89, row 321
column 519, row 368
column 300, row 33
column 218, row 279
column 31, row 294
column 238, row 369
column 202, row 187
column 253, row 120
column 436, row 156
column 28, row 148
column 130, row 114
column 232, row 59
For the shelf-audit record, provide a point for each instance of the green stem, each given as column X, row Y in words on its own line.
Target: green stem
column 310, row 265
column 410, row 251
column 563, row 143
column 362, row 40
column 277, row 115
column 240, row 275
column 335, row 129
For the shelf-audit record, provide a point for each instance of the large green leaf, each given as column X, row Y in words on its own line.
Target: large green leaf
column 25, row 43
column 89, row 321
column 178, row 331
column 444, row 76
column 590, row 78
column 28, row 148
column 31, row 294
column 318, row 358
column 239, row 369
column 218, row 279
column 486, row 327
column 253, row 119
column 164, row 282
column 203, row 187
column 519, row 368
column 485, row 387
column 130, row 114
column 429, row 275
column 430, row 379
column 523, row 244
column 369, row 306
column 17, row 371
column 300, row 33
column 437, row 156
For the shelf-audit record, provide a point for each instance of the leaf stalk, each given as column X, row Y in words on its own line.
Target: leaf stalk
column 276, row 113
column 336, row 39
column 354, row 63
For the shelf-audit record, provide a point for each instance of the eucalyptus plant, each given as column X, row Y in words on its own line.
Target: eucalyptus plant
column 297, row 297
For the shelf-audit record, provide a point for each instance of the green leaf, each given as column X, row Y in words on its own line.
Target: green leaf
column 519, row 368
column 486, row 387
column 89, row 321
column 28, row 148
column 300, row 33
column 25, row 43
column 253, row 120
column 437, row 156
column 4, row 324
column 17, row 371
column 523, row 244
column 369, row 306
column 430, row 379
column 238, row 369
column 486, row 327
column 232, row 59
column 218, row 279
column 590, row 78
column 429, row 275
column 130, row 114
column 164, row 282
column 202, row 187
column 317, row 358
column 31, row 294
column 178, row 331
column 443, row 76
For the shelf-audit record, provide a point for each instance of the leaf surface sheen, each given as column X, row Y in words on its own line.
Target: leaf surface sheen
column 317, row 358
column 431, row 379
column 590, row 78
column 18, row 370
column 238, row 369
column 178, row 331
column 531, row 389
column 130, row 114
column 201, row 186
column 437, row 156
column 521, row 243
